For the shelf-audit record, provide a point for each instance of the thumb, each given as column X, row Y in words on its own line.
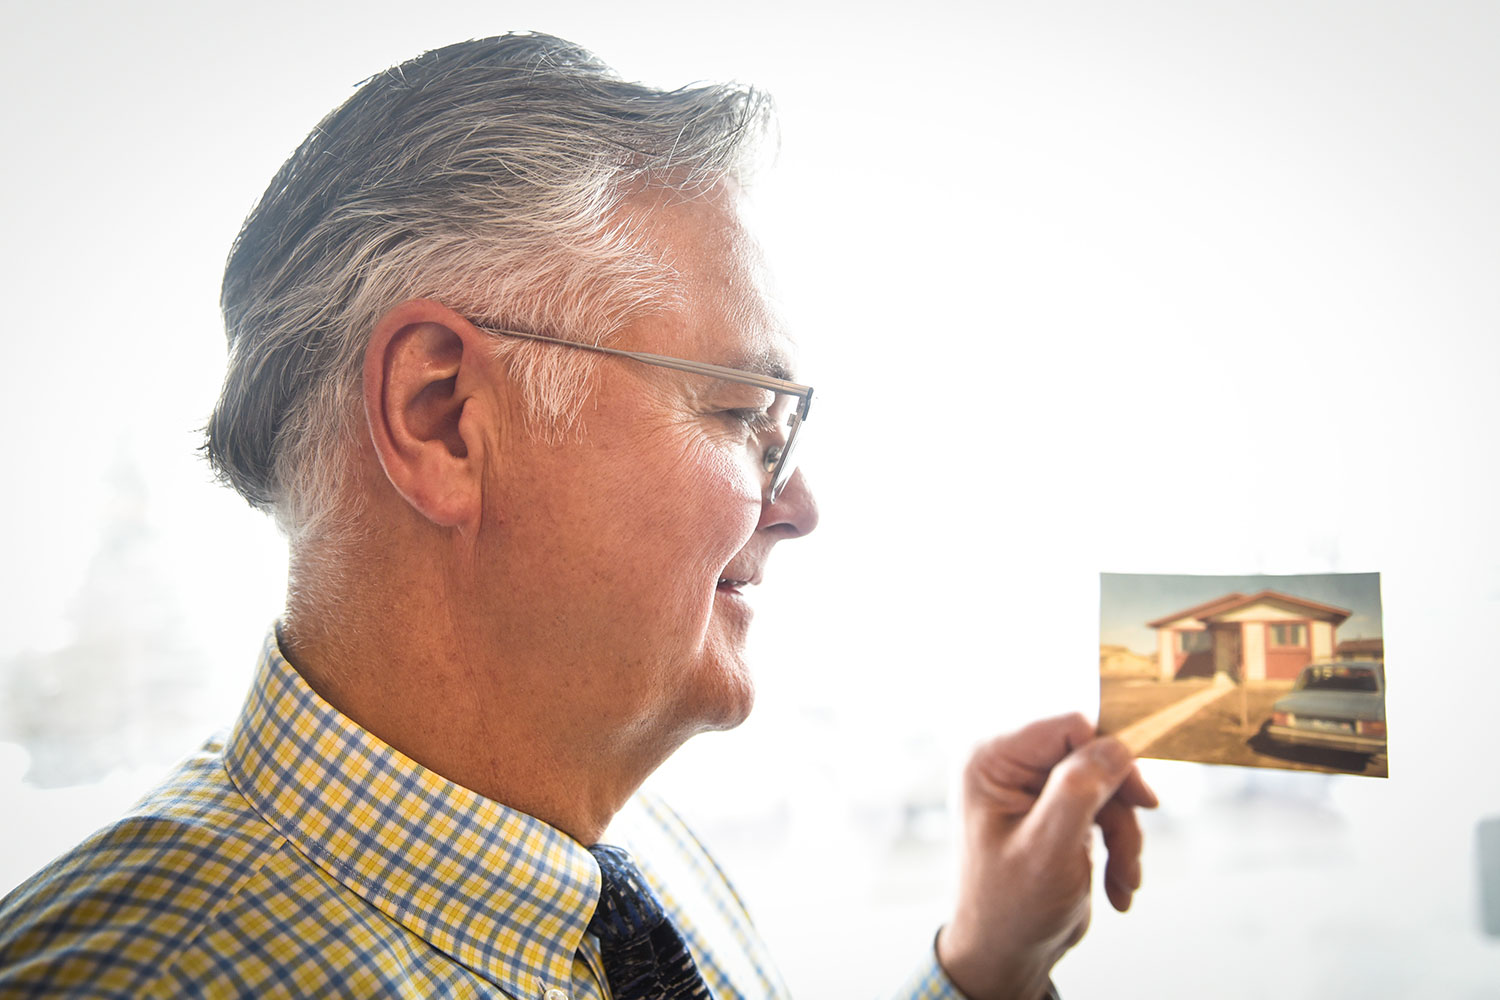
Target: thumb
column 1078, row 788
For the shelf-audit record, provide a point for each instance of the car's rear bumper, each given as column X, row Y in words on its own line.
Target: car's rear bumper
column 1331, row 741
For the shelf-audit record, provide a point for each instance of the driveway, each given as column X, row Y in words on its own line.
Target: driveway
column 1215, row 735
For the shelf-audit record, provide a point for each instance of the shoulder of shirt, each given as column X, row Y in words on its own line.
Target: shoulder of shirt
column 113, row 915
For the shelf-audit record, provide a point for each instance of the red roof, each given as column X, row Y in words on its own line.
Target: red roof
column 1197, row 610
column 1233, row 602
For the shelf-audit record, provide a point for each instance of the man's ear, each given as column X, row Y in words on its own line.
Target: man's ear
column 424, row 369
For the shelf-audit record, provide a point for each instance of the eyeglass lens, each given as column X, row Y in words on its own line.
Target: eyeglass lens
column 780, row 459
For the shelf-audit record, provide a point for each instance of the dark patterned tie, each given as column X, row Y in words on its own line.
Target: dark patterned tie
column 644, row 956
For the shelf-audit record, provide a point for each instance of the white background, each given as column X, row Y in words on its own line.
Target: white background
column 1132, row 287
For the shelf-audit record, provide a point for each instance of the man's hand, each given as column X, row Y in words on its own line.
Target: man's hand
column 1031, row 799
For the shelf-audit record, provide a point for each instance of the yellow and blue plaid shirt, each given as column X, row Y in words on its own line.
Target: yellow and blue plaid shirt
column 303, row 857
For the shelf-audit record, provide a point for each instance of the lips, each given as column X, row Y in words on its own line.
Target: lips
column 736, row 581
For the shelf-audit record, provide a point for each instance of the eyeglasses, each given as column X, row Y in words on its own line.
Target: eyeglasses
column 778, row 456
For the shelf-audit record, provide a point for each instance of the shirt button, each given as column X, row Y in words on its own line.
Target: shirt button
column 555, row 994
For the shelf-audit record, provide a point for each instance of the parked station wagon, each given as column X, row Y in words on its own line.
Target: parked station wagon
column 1336, row 704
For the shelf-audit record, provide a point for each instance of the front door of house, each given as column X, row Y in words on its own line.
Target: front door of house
column 1227, row 653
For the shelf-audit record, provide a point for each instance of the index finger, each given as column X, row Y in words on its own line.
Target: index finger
column 1030, row 753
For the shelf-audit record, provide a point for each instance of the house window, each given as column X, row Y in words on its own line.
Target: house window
column 1289, row 635
column 1195, row 642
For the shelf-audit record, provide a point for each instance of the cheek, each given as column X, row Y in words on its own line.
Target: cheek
column 684, row 516
column 706, row 505
column 729, row 494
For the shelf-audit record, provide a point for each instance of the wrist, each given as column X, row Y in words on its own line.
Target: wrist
column 980, row 971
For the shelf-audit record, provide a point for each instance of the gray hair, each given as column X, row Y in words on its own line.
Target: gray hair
column 488, row 175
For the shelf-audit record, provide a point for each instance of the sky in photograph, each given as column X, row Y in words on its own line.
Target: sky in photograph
column 1127, row 601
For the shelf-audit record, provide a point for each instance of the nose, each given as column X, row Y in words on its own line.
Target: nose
column 794, row 512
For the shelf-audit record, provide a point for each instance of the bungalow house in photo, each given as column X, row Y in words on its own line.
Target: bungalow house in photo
column 1264, row 636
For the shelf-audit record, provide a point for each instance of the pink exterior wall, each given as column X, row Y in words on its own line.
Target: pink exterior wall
column 1286, row 662
column 1171, row 660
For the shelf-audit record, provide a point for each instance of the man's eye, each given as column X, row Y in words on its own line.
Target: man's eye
column 757, row 419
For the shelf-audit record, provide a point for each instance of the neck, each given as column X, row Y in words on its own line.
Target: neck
column 536, row 737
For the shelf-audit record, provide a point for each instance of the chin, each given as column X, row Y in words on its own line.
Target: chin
column 731, row 696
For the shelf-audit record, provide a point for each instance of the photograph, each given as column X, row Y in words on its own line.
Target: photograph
column 1256, row 671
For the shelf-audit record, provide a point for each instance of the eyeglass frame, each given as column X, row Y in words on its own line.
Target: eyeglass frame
column 776, row 456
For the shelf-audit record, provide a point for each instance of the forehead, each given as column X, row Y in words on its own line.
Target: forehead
column 723, row 308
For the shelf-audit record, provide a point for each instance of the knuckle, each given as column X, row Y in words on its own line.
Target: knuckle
column 1078, row 780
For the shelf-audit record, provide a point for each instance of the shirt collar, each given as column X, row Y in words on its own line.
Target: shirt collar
column 500, row 891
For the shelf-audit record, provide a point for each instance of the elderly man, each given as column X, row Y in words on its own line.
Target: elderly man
column 504, row 368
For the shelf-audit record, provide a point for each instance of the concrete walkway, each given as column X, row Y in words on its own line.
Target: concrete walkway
column 1139, row 735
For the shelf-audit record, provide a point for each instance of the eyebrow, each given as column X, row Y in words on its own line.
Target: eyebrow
column 734, row 369
column 769, row 362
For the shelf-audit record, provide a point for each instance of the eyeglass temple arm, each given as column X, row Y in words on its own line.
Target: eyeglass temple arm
column 678, row 364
